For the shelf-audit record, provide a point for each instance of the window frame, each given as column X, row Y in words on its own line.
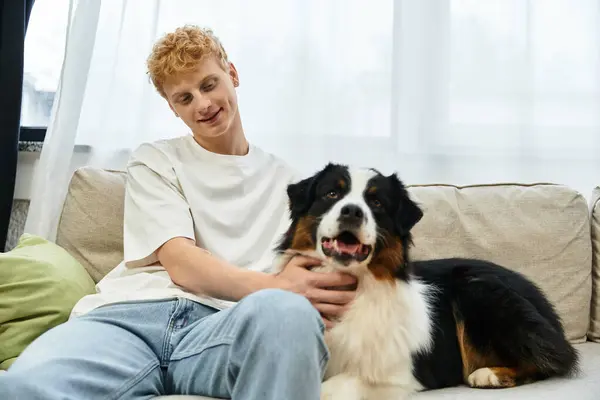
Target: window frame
column 32, row 133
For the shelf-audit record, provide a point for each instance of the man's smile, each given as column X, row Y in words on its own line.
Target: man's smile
column 212, row 118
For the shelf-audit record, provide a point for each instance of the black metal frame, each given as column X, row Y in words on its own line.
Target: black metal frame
column 14, row 16
column 32, row 134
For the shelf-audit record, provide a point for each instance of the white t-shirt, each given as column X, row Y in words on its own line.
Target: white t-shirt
column 236, row 207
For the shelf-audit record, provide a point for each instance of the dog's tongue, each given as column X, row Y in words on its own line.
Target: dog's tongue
column 347, row 248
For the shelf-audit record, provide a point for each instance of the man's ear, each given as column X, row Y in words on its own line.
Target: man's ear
column 233, row 74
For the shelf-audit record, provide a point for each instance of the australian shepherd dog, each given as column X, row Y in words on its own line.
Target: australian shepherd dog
column 416, row 325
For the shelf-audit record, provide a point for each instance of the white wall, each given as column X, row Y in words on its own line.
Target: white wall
column 27, row 162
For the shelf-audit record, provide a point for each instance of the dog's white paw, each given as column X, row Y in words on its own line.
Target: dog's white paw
column 483, row 377
column 341, row 387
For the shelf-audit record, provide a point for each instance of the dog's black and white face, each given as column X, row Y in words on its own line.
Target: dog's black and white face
column 356, row 218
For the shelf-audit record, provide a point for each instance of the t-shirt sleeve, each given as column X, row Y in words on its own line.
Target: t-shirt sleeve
column 156, row 210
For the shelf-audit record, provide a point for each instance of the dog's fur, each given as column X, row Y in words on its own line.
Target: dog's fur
column 416, row 325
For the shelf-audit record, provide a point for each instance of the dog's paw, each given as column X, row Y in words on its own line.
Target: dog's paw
column 495, row 377
column 484, row 378
column 341, row 387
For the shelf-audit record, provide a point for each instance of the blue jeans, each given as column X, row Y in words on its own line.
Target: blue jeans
column 269, row 346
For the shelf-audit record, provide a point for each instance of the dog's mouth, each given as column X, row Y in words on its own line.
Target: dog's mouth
column 345, row 247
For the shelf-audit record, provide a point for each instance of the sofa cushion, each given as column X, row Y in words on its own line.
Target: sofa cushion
column 585, row 386
column 594, row 332
column 40, row 283
column 91, row 223
column 540, row 230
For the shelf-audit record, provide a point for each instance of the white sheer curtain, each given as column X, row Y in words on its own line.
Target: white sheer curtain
column 442, row 91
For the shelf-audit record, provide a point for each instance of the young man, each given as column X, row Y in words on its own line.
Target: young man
column 192, row 308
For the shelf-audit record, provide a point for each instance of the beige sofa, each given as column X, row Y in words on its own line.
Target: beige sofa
column 548, row 232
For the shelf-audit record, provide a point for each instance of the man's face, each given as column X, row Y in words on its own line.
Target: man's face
column 205, row 99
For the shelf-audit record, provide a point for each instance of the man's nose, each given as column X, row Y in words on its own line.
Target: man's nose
column 201, row 103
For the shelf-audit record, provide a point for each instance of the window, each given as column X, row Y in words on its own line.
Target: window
column 524, row 76
column 44, row 52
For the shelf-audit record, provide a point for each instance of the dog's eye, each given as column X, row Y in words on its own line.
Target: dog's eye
column 332, row 194
column 376, row 203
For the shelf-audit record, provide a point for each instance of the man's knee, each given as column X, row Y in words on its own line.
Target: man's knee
column 279, row 311
column 285, row 325
column 22, row 386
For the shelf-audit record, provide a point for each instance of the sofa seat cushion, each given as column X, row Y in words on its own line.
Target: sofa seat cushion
column 541, row 230
column 586, row 386
column 39, row 284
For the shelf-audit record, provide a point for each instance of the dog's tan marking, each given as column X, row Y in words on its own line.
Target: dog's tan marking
column 477, row 366
column 385, row 264
column 472, row 359
column 516, row 376
column 342, row 184
column 372, row 190
column 302, row 239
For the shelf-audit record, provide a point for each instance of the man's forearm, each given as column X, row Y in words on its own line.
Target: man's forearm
column 200, row 272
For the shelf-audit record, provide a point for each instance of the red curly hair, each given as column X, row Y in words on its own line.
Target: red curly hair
column 180, row 51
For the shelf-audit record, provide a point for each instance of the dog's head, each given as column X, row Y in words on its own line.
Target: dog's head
column 356, row 219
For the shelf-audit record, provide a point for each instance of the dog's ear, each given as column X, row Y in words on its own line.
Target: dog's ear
column 408, row 213
column 301, row 194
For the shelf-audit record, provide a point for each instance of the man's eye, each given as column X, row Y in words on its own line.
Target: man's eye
column 208, row 87
column 185, row 99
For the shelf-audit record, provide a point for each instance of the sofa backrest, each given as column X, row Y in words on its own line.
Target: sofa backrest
column 91, row 222
column 540, row 230
column 594, row 332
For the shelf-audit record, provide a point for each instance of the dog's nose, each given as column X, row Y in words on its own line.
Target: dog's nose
column 351, row 213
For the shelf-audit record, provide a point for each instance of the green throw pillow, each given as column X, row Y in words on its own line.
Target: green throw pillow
column 39, row 285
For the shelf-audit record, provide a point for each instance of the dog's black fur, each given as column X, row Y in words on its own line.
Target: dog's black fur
column 502, row 313
column 483, row 315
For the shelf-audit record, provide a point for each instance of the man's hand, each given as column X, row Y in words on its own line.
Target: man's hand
column 323, row 290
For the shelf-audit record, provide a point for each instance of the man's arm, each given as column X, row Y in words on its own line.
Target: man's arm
column 198, row 271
